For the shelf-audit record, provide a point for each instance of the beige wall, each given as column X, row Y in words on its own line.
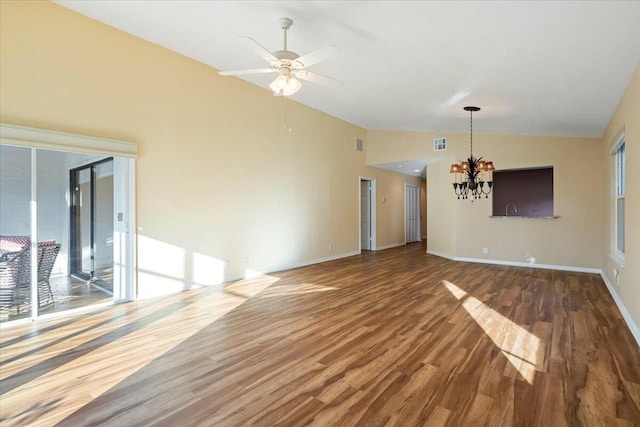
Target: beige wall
column 627, row 117
column 441, row 208
column 219, row 178
column 461, row 229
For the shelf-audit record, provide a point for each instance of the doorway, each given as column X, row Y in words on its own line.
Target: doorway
column 367, row 214
column 412, row 213
column 91, row 223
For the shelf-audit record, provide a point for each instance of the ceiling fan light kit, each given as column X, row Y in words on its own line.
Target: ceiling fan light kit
column 288, row 64
column 285, row 85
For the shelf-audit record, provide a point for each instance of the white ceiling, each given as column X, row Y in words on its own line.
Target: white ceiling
column 535, row 67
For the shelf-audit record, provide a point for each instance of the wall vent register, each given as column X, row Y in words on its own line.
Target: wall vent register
column 439, row 144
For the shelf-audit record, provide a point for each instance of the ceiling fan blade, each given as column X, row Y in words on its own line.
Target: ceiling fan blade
column 317, row 78
column 250, row 71
column 318, row 55
column 258, row 48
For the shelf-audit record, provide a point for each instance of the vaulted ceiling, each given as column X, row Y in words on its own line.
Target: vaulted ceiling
column 535, row 67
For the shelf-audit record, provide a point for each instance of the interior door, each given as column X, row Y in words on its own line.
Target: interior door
column 412, row 213
column 365, row 215
column 91, row 242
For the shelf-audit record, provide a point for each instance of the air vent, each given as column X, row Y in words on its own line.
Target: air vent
column 439, row 144
column 358, row 144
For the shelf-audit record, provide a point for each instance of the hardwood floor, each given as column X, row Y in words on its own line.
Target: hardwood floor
column 395, row 337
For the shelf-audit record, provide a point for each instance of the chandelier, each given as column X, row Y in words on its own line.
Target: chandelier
column 469, row 176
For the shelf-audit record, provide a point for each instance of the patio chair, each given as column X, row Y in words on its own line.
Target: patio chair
column 15, row 276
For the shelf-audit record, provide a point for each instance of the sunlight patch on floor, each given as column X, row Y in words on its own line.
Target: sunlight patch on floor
column 94, row 369
column 301, row 289
column 250, row 287
column 518, row 345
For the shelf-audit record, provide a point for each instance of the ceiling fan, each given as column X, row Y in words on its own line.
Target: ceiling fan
column 288, row 64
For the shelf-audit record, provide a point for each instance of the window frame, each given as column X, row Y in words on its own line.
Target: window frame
column 619, row 190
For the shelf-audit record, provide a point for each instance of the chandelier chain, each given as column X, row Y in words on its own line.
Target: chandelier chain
column 471, row 126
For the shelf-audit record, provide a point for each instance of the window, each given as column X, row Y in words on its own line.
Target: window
column 619, row 154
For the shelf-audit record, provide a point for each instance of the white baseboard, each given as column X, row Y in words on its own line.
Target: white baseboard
column 290, row 266
column 635, row 331
column 441, row 255
column 518, row 263
column 393, row 245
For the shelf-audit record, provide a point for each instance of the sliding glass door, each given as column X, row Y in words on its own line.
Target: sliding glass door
column 67, row 222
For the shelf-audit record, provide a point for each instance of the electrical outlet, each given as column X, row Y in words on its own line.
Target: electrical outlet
column 485, row 251
column 246, row 260
column 330, row 247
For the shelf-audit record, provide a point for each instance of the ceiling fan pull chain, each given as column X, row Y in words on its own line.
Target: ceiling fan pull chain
column 287, row 127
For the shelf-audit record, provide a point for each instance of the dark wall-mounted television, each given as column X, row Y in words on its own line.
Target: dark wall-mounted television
column 523, row 192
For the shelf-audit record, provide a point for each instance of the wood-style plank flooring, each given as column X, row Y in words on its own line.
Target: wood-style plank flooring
column 395, row 337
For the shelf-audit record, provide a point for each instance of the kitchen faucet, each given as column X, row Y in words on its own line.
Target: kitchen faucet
column 506, row 209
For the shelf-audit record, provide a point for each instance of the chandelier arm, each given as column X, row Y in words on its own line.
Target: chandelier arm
column 488, row 186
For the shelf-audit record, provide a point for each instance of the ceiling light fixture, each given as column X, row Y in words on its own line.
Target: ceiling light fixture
column 285, row 85
column 469, row 176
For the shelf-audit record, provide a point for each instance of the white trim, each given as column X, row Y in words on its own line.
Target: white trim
column 132, row 247
column 393, row 245
column 518, row 263
column 441, row 255
column 617, row 140
column 619, row 260
column 404, row 214
column 22, row 136
column 635, row 331
column 125, row 190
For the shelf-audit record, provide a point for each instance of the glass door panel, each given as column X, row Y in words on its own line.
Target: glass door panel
column 83, row 194
column 92, row 221
column 15, row 232
column 103, row 226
